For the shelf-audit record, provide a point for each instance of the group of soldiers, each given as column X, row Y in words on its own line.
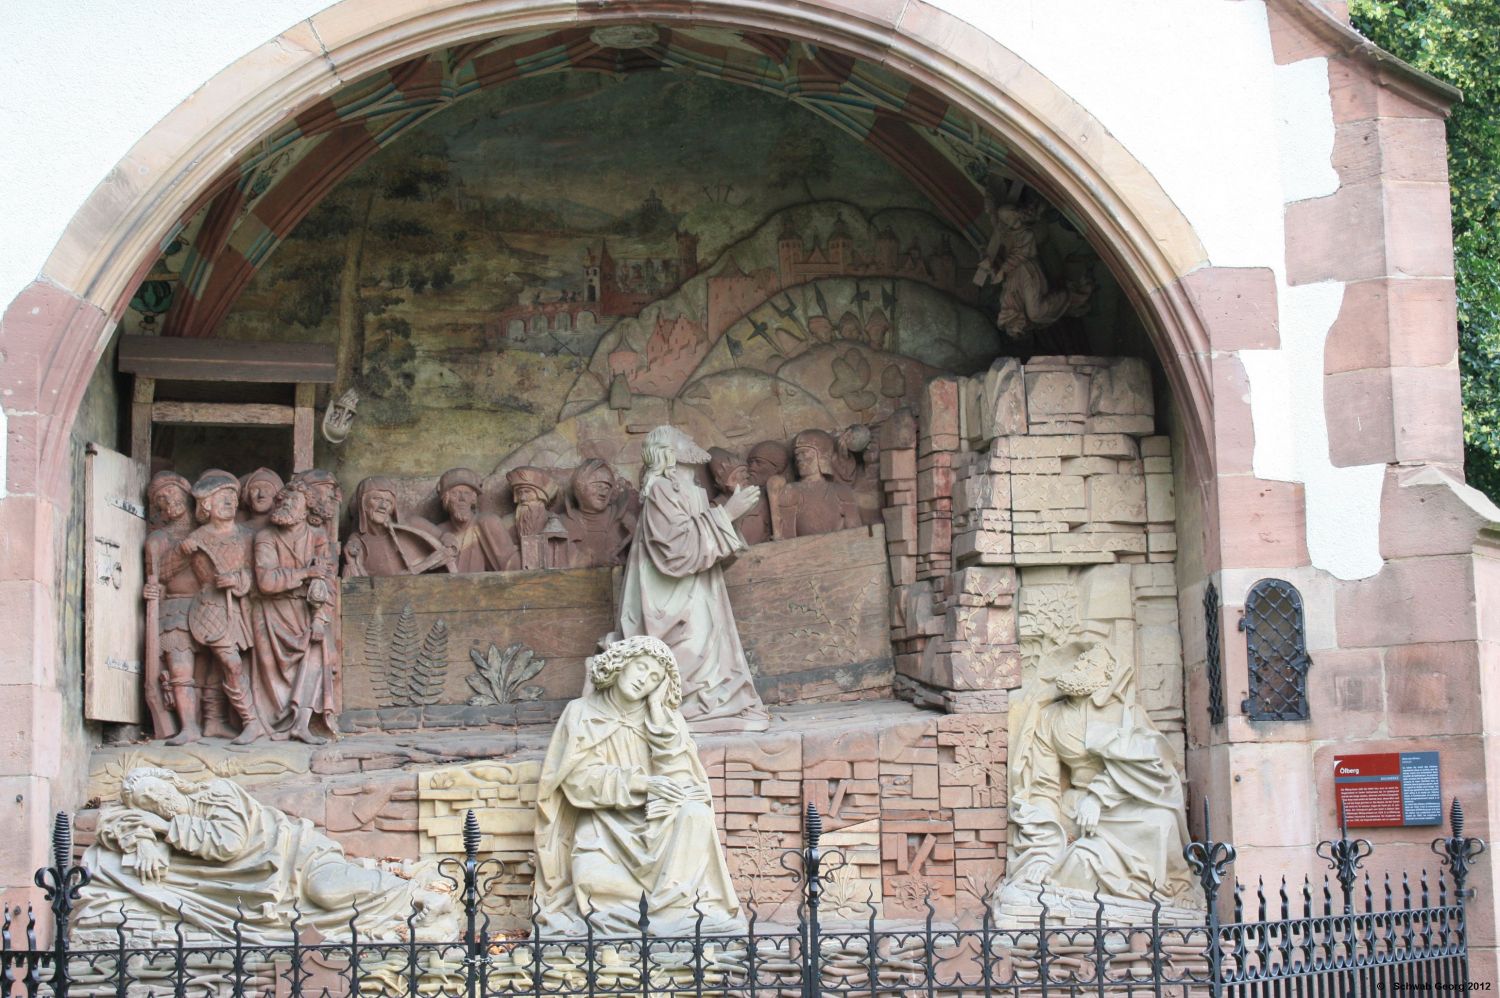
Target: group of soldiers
column 241, row 606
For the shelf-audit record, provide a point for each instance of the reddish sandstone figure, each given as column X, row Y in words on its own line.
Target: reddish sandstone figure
column 295, row 573
column 474, row 541
column 815, row 503
column 381, row 544
column 218, row 619
column 169, row 590
column 324, row 500
column 257, row 497
column 533, row 492
column 599, row 520
column 766, row 460
column 730, row 473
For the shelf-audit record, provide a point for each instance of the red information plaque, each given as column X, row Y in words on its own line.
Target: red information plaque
column 1388, row 789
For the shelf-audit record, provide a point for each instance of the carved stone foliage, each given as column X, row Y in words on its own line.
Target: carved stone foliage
column 500, row 676
column 407, row 668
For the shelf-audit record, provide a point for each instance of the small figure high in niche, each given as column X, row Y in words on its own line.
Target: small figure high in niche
column 381, row 544
column 1011, row 261
column 1096, row 802
column 474, row 541
column 171, row 691
column 624, row 807
column 674, row 584
column 219, row 620
column 730, row 474
column 257, row 497
column 212, row 857
column 816, row 503
column 296, row 576
column 599, row 518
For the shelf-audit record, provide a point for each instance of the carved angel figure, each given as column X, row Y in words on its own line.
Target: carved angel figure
column 1011, row 261
column 624, row 807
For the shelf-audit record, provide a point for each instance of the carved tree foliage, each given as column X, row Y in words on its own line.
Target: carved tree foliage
column 499, row 676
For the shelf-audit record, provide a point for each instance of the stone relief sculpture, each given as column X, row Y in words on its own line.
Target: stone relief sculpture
column 674, row 584
column 474, row 541
column 1096, row 802
column 293, row 619
column 730, row 474
column 599, row 516
column 338, row 418
column 624, row 807
column 168, row 671
column 816, row 503
column 766, row 460
column 533, row 490
column 257, row 496
column 381, row 544
column 1010, row 260
column 203, row 851
column 218, row 619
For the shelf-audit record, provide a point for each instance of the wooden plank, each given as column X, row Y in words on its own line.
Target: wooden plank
column 221, row 414
column 114, row 628
column 140, row 419
column 185, row 358
column 302, row 427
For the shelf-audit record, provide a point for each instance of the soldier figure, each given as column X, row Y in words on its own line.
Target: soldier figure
column 169, row 590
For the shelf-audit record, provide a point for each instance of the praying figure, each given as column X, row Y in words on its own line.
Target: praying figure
column 295, row 574
column 219, row 618
column 210, row 855
column 383, row 545
column 1096, row 801
column 474, row 541
column 674, row 584
column 729, row 474
column 257, row 497
column 598, row 519
column 817, row 503
column 1011, row 260
column 624, row 808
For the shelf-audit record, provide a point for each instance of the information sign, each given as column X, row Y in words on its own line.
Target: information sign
column 1388, row 789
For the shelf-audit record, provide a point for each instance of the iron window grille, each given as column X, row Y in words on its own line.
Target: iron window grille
column 1276, row 640
column 1214, row 664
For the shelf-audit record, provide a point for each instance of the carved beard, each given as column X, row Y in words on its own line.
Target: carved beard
column 1082, row 683
column 284, row 516
column 531, row 517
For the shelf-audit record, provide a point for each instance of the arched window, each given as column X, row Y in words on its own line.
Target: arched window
column 1214, row 663
column 1276, row 639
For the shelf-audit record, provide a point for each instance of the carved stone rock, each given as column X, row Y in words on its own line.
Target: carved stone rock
column 624, row 807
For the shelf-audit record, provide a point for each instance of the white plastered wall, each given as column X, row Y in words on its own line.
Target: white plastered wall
column 1188, row 86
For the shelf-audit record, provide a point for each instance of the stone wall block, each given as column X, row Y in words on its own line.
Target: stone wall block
column 938, row 423
column 1341, row 237
column 1117, row 498
column 1263, row 523
column 1237, row 305
column 1434, row 688
column 1410, row 601
column 1427, row 409
column 1385, row 321
column 1361, row 423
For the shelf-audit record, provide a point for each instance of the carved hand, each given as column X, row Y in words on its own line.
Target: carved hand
column 151, row 592
column 742, row 501
column 1034, row 873
column 665, row 788
column 152, row 860
column 189, row 545
column 1088, row 814
column 226, row 580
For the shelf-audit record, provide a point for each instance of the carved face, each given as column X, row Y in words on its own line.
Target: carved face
column 379, row 506
column 462, row 503
column 761, row 469
column 222, row 502
column 527, row 495
column 260, row 495
column 1090, row 675
column 160, row 798
column 169, row 504
column 809, row 465
column 593, row 496
column 639, row 678
column 291, row 508
column 324, row 500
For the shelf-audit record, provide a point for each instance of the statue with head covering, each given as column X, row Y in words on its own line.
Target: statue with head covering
column 817, row 503
column 381, row 544
column 624, row 808
column 542, row 537
column 1096, row 802
column 599, row 516
column 730, row 473
column 219, row 618
column 169, row 668
column 674, row 584
column 474, row 541
column 766, row 460
column 257, row 497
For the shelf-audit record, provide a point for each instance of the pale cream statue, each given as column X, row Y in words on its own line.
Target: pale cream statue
column 624, row 808
column 174, row 849
column 674, row 584
column 1096, row 800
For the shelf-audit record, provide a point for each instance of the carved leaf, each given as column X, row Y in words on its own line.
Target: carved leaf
column 499, row 675
column 523, row 665
column 403, row 659
column 483, row 680
column 431, row 670
column 376, row 660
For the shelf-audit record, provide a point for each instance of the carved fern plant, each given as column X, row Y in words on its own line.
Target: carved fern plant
column 408, row 672
column 499, row 675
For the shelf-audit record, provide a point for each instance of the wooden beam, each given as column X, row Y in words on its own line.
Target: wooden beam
column 222, row 414
column 181, row 358
column 302, row 427
column 140, row 419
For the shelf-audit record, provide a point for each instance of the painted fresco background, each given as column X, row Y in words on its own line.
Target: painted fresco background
column 543, row 271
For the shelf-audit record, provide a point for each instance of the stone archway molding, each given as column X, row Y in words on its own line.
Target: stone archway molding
column 1056, row 145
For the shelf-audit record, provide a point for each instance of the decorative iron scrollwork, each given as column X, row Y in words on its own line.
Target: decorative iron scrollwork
column 1276, row 640
column 1214, row 663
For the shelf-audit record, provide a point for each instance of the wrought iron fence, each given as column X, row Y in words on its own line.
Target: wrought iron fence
column 1348, row 936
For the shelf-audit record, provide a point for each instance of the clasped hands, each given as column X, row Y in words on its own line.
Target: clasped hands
column 665, row 795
